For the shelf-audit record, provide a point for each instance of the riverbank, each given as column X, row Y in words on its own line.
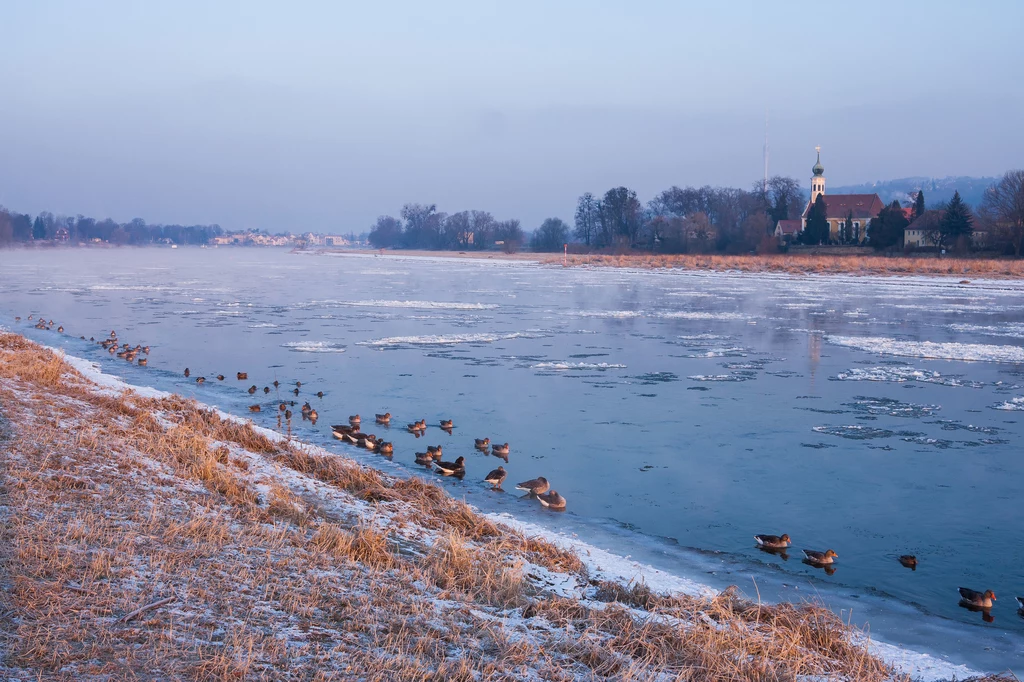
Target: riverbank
column 253, row 555
column 793, row 264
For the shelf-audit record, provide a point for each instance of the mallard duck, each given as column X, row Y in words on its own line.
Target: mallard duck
column 143, row 362
column 435, row 451
column 113, row 334
column 186, row 371
column 298, row 383
column 17, row 318
column 447, row 424
column 982, row 600
column 341, row 428
column 455, row 468
column 306, row 407
column 909, row 560
column 773, row 541
column 482, row 443
column 220, row 377
column 242, row 376
column 355, row 420
column 414, row 428
column 252, row 389
column 534, row 486
column 552, row 500
column 384, row 418
column 60, row 329
column 367, row 441
column 145, row 349
column 385, row 448
column 496, row 477
column 200, row 380
column 266, row 390
column 820, row 558
column 254, row 408
column 424, row 458
column 282, row 407
column 500, row 450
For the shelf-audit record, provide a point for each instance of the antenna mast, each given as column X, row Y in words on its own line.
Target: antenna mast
column 765, row 186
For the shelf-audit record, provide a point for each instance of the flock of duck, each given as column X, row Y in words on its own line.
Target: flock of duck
column 973, row 600
column 536, row 488
column 433, row 457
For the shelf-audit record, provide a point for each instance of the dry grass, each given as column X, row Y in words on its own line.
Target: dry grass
column 282, row 563
column 812, row 264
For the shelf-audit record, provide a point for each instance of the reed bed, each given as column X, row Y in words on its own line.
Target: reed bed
column 805, row 264
column 154, row 539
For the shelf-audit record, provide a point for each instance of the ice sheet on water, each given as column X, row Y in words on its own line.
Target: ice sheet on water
column 891, row 407
column 449, row 339
column 562, row 366
column 314, row 347
column 1014, row 329
column 730, row 352
column 980, row 352
column 442, row 305
column 901, row 374
column 854, row 432
column 1011, row 405
column 735, row 376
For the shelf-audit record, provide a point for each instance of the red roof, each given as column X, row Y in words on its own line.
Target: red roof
column 841, row 205
column 789, row 226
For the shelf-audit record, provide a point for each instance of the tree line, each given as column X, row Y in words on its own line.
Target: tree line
column 46, row 227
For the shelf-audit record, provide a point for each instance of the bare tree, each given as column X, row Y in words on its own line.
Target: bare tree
column 1003, row 208
column 587, row 219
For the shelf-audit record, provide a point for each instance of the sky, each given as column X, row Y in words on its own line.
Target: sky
column 324, row 115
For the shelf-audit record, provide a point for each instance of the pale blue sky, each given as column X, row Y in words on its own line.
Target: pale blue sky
column 323, row 115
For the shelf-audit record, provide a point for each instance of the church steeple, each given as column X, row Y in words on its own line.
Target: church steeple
column 818, row 177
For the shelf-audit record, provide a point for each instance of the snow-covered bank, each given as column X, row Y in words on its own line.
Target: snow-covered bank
column 601, row 564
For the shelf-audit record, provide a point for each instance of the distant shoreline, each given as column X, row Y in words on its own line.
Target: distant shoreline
column 794, row 264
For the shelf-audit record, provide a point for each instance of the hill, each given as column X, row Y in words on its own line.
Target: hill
column 936, row 190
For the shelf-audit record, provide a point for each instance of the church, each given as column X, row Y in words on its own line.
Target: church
column 862, row 207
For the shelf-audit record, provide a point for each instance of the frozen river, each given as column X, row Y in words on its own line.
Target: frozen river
column 679, row 413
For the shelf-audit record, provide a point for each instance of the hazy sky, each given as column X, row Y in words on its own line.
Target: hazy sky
column 324, row 115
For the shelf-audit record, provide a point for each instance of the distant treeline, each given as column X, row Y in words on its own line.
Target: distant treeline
column 23, row 228
column 678, row 220
column 711, row 220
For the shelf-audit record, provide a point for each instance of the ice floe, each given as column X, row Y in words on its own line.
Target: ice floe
column 981, row 352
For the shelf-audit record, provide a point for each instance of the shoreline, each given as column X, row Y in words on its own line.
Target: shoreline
column 792, row 264
column 554, row 585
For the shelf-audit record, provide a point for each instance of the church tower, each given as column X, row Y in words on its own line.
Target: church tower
column 818, row 179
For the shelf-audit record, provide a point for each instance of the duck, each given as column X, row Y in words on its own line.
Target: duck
column 456, row 468
column 319, row 394
column 266, row 390
column 113, row 334
column 909, row 561
column 282, row 407
column 17, row 318
column 254, row 408
column 535, row 486
column 298, row 383
column 773, row 541
column 143, row 362
column 820, row 558
column 200, row 380
column 145, row 349
column 313, row 416
column 60, row 329
column 982, row 600
column 306, row 408
column 287, row 414
column 383, row 418
column 341, row 428
column 447, row 424
column 296, row 391
column 276, row 383
column 355, row 420
column 252, row 389
column 496, row 478
column 242, row 376
column 186, row 371
column 368, row 441
column 220, row 377
column 500, row 450
column 113, row 349
column 435, row 451
column 414, row 428
column 482, row 443
column 385, row 448
column 552, row 500
column 424, row 458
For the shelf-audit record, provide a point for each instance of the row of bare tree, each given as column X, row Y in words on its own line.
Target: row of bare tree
column 46, row 227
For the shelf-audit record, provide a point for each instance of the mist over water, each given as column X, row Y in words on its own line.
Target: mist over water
column 679, row 413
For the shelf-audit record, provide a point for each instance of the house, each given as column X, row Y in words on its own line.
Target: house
column 788, row 229
column 862, row 207
column 919, row 231
column 335, row 240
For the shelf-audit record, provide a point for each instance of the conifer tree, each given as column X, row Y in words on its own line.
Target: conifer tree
column 919, row 205
column 956, row 223
column 816, row 231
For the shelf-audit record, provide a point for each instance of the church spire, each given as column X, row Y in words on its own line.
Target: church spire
column 818, row 177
